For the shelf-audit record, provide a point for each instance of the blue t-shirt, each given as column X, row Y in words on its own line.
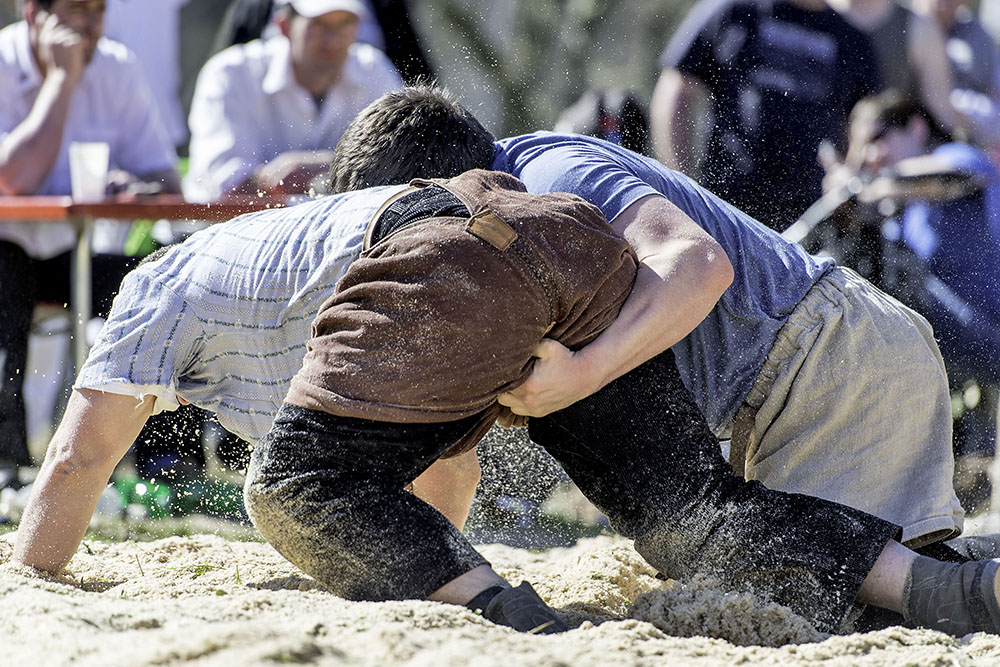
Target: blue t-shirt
column 719, row 361
column 960, row 242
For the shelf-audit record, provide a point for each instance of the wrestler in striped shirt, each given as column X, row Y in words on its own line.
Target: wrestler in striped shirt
column 220, row 321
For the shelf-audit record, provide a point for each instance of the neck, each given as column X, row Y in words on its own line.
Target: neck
column 316, row 81
column 865, row 14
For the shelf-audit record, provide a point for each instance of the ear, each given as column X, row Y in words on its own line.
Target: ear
column 33, row 14
column 284, row 23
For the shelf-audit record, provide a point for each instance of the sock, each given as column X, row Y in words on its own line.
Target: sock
column 952, row 597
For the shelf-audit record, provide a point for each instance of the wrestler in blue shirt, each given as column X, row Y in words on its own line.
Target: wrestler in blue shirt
column 825, row 384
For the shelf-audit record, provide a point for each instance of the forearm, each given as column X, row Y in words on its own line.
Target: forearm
column 96, row 431
column 672, row 115
column 62, row 501
column 682, row 274
column 169, row 181
column 927, row 50
column 28, row 153
column 218, row 175
column 673, row 293
column 291, row 172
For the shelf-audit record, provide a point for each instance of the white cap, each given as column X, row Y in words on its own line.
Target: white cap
column 313, row 8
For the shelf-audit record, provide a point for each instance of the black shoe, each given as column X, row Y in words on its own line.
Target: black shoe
column 521, row 608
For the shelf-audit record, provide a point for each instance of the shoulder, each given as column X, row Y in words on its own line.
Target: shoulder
column 114, row 63
column 368, row 57
column 721, row 12
column 706, row 10
column 250, row 57
column 114, row 72
column 560, row 160
column 710, row 21
column 13, row 40
column 9, row 37
column 112, row 50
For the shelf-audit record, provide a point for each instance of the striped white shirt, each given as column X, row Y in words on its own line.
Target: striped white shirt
column 222, row 319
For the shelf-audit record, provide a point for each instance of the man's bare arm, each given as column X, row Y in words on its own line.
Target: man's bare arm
column 673, row 112
column 29, row 151
column 96, row 431
column 927, row 51
column 682, row 274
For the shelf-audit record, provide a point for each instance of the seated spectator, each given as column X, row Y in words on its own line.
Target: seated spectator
column 387, row 27
column 975, row 66
column 780, row 78
column 60, row 82
column 266, row 115
column 950, row 220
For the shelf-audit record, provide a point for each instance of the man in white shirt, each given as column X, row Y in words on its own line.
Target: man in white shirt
column 267, row 115
column 60, row 82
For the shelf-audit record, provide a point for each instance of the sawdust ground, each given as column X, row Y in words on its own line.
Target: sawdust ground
column 206, row 600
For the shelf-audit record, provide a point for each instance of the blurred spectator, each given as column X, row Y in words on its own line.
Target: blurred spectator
column 60, row 81
column 975, row 66
column 781, row 77
column 911, row 54
column 386, row 26
column 151, row 29
column 950, row 220
column 266, row 115
column 613, row 115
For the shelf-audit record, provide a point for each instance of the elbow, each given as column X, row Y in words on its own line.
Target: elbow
column 717, row 269
column 68, row 459
column 18, row 178
column 13, row 186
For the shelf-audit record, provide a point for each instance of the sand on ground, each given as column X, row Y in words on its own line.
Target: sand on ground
column 206, row 600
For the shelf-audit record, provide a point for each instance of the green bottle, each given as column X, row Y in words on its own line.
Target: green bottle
column 157, row 498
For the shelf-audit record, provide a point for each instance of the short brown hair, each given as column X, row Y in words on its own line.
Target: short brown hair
column 891, row 108
column 416, row 132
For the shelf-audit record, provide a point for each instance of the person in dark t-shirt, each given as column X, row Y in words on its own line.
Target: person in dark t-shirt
column 781, row 77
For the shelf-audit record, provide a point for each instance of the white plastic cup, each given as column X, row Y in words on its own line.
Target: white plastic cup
column 88, row 170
